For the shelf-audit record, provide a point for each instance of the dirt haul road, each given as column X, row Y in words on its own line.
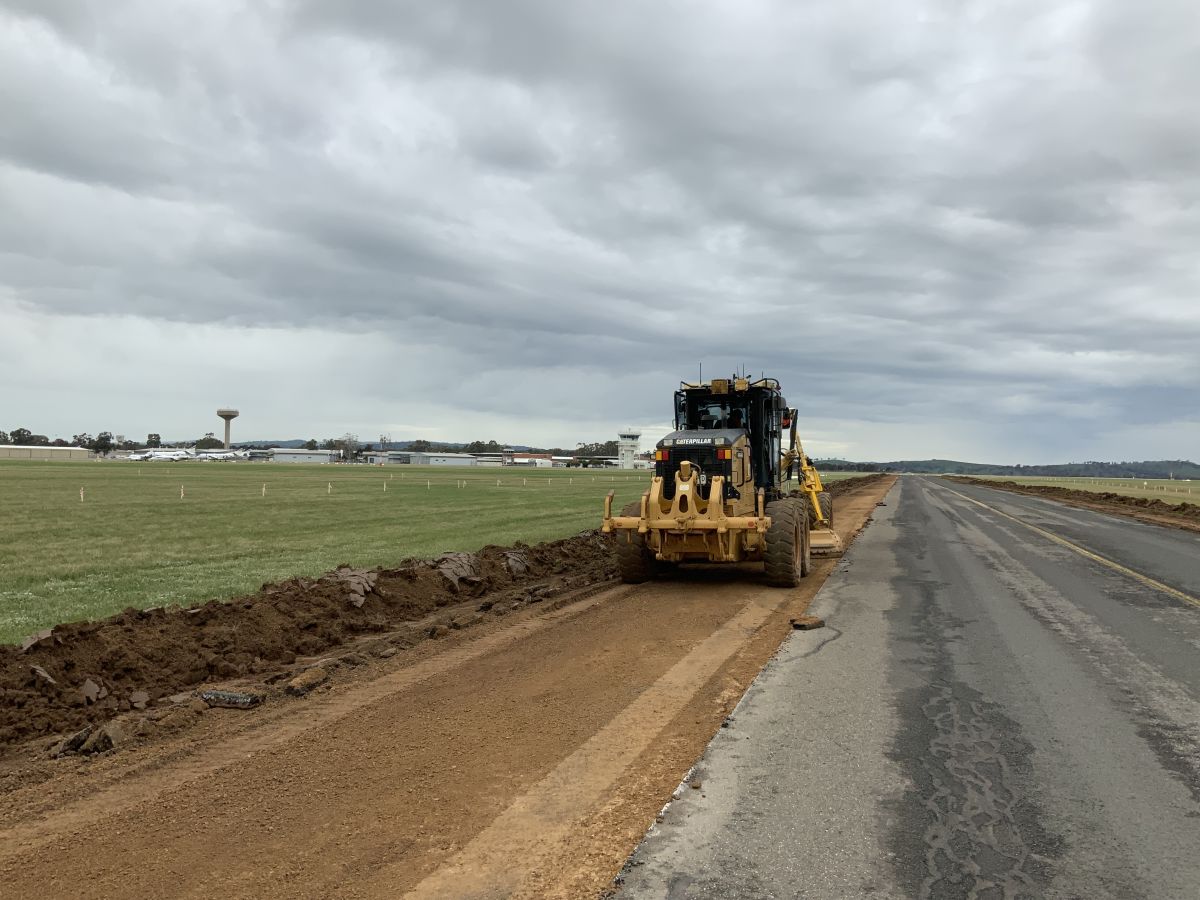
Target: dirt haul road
column 523, row 757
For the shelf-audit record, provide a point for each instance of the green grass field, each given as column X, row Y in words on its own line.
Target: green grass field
column 1158, row 489
column 133, row 542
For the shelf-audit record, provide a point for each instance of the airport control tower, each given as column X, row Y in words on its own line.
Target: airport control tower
column 228, row 415
column 627, row 447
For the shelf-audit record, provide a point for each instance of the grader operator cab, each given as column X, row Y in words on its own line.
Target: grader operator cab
column 732, row 483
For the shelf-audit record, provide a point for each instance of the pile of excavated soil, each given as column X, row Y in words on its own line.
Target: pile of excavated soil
column 853, row 484
column 66, row 677
column 1107, row 500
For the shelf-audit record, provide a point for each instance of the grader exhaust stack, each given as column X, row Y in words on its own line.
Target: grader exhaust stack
column 726, row 488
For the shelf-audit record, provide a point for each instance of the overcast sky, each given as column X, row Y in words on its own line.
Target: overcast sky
column 957, row 229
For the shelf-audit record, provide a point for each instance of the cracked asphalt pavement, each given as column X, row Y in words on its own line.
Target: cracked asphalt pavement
column 989, row 713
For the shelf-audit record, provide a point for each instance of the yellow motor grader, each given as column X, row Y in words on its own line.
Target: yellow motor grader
column 726, row 488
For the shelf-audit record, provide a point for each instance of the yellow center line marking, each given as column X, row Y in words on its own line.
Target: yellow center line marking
column 1082, row 551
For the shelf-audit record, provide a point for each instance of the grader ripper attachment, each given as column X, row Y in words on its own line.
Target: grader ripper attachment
column 727, row 488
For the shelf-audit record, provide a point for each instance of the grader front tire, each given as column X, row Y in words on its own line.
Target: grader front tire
column 787, row 557
column 635, row 563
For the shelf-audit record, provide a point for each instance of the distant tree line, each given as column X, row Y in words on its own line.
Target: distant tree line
column 844, row 465
column 103, row 442
column 1162, row 468
column 420, row 445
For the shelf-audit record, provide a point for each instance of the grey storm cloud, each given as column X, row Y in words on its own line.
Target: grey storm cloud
column 948, row 228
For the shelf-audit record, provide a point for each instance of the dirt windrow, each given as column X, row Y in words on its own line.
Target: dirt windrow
column 1184, row 514
column 63, row 678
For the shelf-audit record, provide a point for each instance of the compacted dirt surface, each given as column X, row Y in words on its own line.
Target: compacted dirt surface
column 501, row 724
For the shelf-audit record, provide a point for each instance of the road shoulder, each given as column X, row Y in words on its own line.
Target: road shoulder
column 808, row 739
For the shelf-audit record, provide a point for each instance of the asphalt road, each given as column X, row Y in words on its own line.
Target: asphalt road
column 989, row 713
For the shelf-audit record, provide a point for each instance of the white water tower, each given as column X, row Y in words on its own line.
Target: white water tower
column 627, row 446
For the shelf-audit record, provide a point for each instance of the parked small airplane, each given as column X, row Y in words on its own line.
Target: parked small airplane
column 164, row 455
column 223, row 454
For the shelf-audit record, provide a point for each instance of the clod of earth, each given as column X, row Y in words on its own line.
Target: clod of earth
column 139, row 699
column 91, row 691
column 307, row 681
column 38, row 637
column 107, row 737
column 516, row 562
column 807, row 623
column 231, row 699
column 72, row 742
column 459, row 567
column 359, row 581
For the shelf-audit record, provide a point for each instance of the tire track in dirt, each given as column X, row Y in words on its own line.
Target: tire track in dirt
column 544, row 814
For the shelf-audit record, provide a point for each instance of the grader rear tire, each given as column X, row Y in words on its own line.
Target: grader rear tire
column 635, row 563
column 787, row 558
column 826, row 501
column 826, row 506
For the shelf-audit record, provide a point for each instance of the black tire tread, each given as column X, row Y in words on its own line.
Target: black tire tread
column 779, row 557
column 635, row 563
column 826, row 500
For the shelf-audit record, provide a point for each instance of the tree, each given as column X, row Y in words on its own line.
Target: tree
column 607, row 448
column 4, row 438
column 39, row 440
column 349, row 444
column 420, row 446
column 482, row 447
column 103, row 442
column 209, row 442
column 20, row 436
column 311, row 444
column 58, row 442
column 82, row 440
column 330, row 444
column 153, row 439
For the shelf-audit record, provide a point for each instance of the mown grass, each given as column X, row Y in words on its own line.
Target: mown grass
column 133, row 542
column 1156, row 489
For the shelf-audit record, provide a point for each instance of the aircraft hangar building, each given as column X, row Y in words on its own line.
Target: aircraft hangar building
column 43, row 454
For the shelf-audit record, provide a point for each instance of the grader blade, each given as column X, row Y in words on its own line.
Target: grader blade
column 825, row 543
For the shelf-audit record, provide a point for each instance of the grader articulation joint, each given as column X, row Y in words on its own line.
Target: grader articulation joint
column 723, row 490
